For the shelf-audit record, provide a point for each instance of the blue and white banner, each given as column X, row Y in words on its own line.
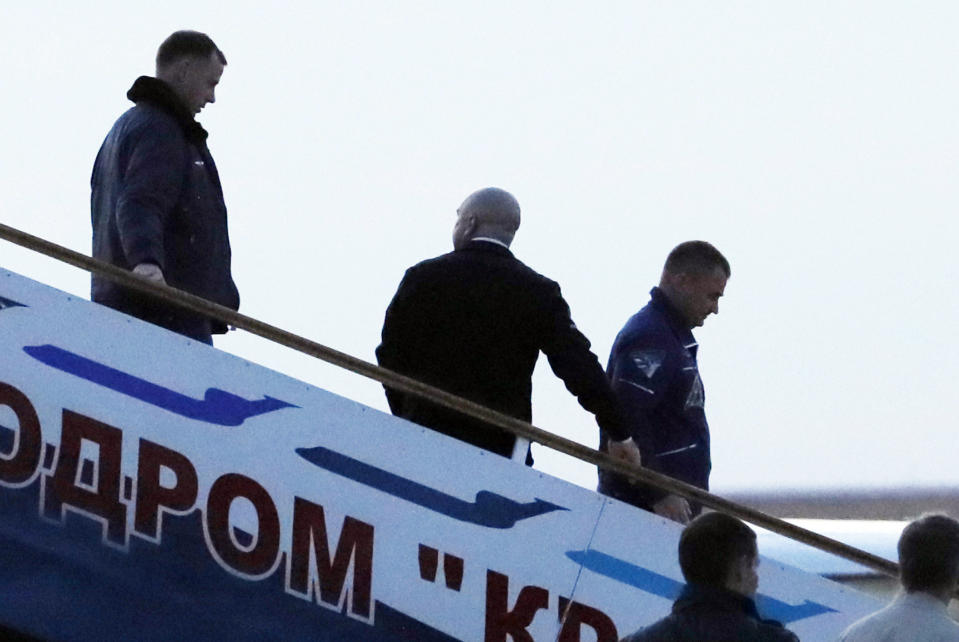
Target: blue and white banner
column 155, row 488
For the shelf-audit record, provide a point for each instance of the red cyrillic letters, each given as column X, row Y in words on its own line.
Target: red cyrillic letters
column 102, row 502
column 339, row 580
column 18, row 467
column 329, row 581
column 260, row 558
column 152, row 499
column 500, row 621
column 575, row 614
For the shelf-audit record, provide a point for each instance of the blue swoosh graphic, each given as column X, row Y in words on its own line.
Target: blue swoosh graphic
column 666, row 587
column 9, row 303
column 489, row 509
column 217, row 406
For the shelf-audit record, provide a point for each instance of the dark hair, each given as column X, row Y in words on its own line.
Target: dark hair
column 929, row 554
column 711, row 544
column 187, row 43
column 696, row 256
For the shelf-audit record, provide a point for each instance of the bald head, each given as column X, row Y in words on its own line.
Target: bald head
column 491, row 213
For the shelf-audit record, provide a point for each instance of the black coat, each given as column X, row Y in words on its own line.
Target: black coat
column 473, row 323
column 705, row 614
column 156, row 198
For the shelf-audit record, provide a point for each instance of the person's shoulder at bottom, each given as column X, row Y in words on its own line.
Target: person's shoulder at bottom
column 669, row 629
column 662, row 631
column 774, row 632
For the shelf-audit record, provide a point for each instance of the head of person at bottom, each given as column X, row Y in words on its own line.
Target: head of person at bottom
column 719, row 551
column 929, row 556
column 693, row 280
column 488, row 214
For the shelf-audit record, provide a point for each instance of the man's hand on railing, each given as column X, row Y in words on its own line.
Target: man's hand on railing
column 150, row 272
column 625, row 451
column 673, row 507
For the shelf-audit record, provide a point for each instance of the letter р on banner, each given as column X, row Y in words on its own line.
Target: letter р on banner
column 152, row 498
column 574, row 616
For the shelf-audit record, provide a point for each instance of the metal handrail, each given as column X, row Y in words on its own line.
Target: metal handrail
column 198, row 305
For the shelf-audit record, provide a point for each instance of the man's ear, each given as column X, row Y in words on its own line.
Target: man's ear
column 188, row 64
column 737, row 573
column 178, row 70
column 469, row 225
column 741, row 577
column 677, row 281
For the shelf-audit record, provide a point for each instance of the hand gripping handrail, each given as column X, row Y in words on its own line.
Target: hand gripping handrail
column 196, row 304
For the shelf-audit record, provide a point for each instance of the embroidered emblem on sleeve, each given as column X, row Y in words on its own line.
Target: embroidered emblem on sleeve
column 647, row 362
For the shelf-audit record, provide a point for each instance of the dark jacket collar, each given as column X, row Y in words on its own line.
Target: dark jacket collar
column 156, row 92
column 676, row 322
column 486, row 246
column 694, row 595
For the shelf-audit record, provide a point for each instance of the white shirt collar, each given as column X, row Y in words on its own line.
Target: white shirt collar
column 489, row 240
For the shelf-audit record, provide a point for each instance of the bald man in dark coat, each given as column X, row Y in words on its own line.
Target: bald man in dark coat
column 473, row 323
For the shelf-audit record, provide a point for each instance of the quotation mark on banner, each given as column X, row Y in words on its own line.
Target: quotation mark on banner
column 452, row 567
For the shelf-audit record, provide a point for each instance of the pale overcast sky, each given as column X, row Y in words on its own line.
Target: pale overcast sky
column 814, row 143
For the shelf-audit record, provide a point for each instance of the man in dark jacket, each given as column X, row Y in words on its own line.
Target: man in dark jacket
column 719, row 558
column 156, row 205
column 474, row 321
column 654, row 372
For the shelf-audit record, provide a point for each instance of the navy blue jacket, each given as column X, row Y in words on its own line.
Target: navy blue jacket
column 473, row 323
column 652, row 367
column 156, row 198
column 703, row 613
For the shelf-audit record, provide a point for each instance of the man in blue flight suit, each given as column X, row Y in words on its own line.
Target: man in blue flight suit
column 653, row 370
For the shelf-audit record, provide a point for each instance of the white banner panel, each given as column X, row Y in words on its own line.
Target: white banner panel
column 155, row 488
